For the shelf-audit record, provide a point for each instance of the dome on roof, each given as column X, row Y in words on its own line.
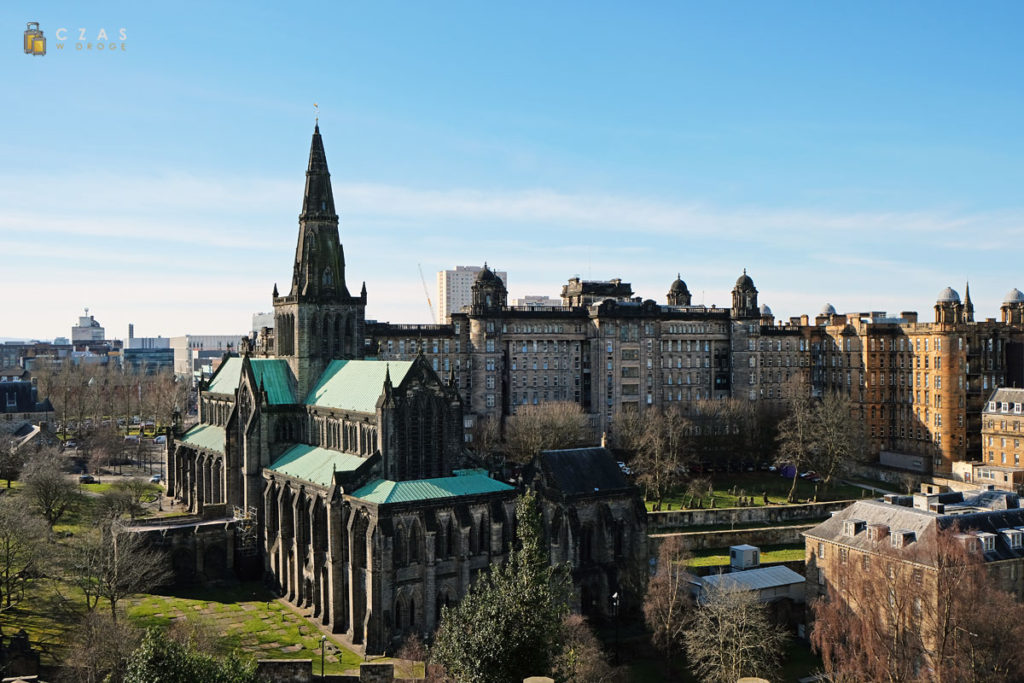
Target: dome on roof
column 948, row 295
column 1014, row 296
column 765, row 310
column 744, row 281
column 486, row 275
column 678, row 286
column 828, row 309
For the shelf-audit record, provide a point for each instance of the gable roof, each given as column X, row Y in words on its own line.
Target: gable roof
column 315, row 464
column 356, row 385
column 275, row 376
column 755, row 579
column 578, row 471
column 384, row 491
column 226, row 379
column 207, row 437
column 274, row 373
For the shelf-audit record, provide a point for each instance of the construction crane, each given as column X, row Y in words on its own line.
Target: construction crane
column 426, row 291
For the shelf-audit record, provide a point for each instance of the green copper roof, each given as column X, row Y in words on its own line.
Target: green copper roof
column 355, row 384
column 207, row 437
column 382, row 491
column 315, row 464
column 225, row 380
column 276, row 379
column 273, row 372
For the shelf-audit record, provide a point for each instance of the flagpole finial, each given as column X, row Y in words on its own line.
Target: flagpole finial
column 316, row 112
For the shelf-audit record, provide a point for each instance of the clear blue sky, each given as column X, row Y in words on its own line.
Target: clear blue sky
column 863, row 154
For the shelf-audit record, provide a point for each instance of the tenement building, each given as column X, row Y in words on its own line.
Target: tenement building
column 918, row 386
column 366, row 509
column 1001, row 434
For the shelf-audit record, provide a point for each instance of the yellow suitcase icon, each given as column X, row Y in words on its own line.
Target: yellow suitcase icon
column 35, row 41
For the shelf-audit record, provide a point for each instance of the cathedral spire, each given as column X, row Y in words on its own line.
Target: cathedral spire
column 318, row 201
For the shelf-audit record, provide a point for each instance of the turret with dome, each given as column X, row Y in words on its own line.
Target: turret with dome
column 489, row 291
column 950, row 310
column 678, row 294
column 1013, row 307
column 744, row 298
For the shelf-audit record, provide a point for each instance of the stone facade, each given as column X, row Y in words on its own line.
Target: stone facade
column 346, row 477
column 1001, row 435
column 919, row 387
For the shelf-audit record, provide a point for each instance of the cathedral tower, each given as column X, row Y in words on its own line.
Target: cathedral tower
column 318, row 320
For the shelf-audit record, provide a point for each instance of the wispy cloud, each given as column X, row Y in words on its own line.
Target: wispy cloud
column 194, row 239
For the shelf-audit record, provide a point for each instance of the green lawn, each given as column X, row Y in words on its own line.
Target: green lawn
column 769, row 554
column 732, row 527
column 729, row 488
column 249, row 619
column 245, row 615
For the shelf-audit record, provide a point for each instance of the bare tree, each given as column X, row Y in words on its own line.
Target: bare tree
column 137, row 492
column 47, row 487
column 547, row 426
column 98, row 649
column 114, row 562
column 668, row 605
column 486, row 441
column 23, row 549
column 582, row 660
column 661, row 452
column 868, row 626
column 722, row 431
column 840, row 436
column 928, row 613
column 12, row 459
column 798, row 432
column 731, row 636
column 163, row 394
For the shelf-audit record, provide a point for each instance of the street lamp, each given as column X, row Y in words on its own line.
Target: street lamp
column 323, row 648
column 615, row 615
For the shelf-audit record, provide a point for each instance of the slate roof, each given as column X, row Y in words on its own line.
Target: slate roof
column 383, row 491
column 926, row 524
column 272, row 372
column 578, row 471
column 1003, row 395
column 755, row 579
column 207, row 437
column 315, row 464
column 356, row 385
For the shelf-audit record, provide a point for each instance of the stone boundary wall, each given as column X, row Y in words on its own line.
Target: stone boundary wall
column 706, row 540
column 769, row 514
column 301, row 671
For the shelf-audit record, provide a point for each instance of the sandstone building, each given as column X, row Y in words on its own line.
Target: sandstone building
column 918, row 386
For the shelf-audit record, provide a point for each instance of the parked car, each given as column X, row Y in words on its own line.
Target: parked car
column 155, row 479
column 624, row 467
column 70, row 443
column 131, row 439
column 86, row 479
column 162, row 439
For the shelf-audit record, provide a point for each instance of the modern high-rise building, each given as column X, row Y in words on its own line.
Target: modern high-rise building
column 455, row 289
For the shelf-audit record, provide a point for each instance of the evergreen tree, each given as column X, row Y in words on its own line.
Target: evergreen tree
column 159, row 659
column 509, row 625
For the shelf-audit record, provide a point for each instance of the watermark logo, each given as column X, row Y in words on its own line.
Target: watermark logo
column 80, row 39
column 35, row 41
